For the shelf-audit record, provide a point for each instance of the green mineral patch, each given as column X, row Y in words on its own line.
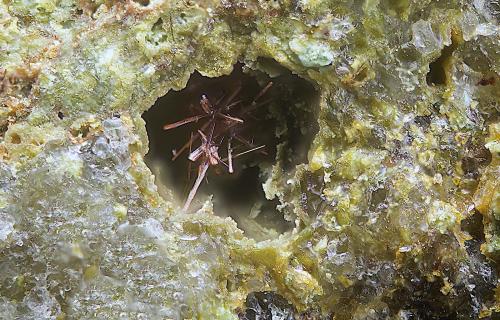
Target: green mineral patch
column 365, row 181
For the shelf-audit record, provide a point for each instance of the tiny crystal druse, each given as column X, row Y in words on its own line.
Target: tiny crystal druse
column 394, row 210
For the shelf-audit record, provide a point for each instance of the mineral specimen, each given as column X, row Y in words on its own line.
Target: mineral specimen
column 390, row 211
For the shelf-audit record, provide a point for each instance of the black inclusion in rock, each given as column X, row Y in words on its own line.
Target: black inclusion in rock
column 267, row 305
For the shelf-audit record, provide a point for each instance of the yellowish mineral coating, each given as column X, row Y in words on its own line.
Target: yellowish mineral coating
column 407, row 156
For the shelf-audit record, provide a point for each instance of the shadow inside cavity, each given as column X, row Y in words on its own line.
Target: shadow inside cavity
column 283, row 121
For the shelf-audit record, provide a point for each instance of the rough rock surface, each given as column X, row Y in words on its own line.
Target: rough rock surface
column 406, row 160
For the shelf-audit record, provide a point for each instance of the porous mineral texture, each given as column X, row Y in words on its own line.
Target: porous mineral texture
column 396, row 210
